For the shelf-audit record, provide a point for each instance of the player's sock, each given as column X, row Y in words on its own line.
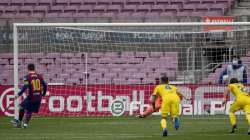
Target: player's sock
column 163, row 124
column 232, row 118
column 176, row 123
column 248, row 118
column 165, row 132
column 233, row 128
column 248, row 132
column 27, row 118
column 21, row 114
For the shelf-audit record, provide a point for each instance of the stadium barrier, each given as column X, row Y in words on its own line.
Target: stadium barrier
column 98, row 100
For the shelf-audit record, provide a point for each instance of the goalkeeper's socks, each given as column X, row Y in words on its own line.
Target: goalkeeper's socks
column 165, row 132
column 176, row 123
column 234, row 128
column 248, row 132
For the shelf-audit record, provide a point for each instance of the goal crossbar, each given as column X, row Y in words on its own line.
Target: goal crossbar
column 138, row 24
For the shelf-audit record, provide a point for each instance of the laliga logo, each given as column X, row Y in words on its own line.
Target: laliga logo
column 7, row 107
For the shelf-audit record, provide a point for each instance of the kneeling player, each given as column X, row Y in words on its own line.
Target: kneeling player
column 149, row 110
column 36, row 89
column 170, row 103
column 242, row 101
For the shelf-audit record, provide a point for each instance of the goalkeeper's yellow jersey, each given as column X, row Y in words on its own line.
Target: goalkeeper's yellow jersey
column 238, row 90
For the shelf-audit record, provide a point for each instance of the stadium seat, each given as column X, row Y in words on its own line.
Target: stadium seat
column 148, row 2
column 5, row 2
column 71, row 9
column 119, row 2
column 80, row 15
column 31, row 2
column 62, row 2
column 189, row 7
column 17, row 2
column 4, row 62
column 99, row 8
column 158, row 8
column 85, row 8
column 162, row 2
column 104, row 2
column 26, row 9
column 172, row 8
column 45, row 2
column 129, row 8
column 51, row 15
column 12, row 9
column 90, row 2
column 134, row 2
column 57, row 9
column 167, row 14
column 8, row 15
column 114, row 8
column 143, row 8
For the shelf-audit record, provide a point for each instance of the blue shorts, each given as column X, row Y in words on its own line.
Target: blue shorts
column 31, row 104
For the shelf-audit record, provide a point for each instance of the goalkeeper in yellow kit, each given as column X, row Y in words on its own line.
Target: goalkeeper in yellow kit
column 242, row 101
column 170, row 103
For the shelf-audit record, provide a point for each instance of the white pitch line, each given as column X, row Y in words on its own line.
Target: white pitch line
column 130, row 118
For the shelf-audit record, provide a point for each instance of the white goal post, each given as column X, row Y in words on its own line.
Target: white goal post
column 147, row 44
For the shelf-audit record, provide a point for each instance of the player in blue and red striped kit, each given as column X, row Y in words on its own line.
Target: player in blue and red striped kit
column 37, row 88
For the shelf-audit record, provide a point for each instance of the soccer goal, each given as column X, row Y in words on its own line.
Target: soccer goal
column 105, row 69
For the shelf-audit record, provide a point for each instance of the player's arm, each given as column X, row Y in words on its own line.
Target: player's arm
column 181, row 95
column 24, row 87
column 153, row 97
column 244, row 76
column 152, row 100
column 44, row 87
column 225, row 95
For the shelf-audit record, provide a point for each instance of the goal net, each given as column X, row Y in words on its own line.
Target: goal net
column 111, row 68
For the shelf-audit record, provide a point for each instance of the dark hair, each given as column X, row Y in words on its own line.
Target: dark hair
column 234, row 80
column 164, row 79
column 31, row 67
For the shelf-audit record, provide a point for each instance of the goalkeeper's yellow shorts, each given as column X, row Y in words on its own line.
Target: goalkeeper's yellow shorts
column 241, row 103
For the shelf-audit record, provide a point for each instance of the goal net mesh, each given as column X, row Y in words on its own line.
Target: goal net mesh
column 89, row 68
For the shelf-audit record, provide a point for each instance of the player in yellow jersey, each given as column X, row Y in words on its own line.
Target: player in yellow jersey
column 242, row 101
column 170, row 103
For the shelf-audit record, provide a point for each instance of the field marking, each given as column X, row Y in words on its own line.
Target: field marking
column 134, row 118
column 94, row 135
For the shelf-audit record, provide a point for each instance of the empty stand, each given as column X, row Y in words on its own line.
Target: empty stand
column 111, row 9
column 112, row 67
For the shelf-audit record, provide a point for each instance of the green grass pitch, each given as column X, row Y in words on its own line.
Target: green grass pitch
column 123, row 128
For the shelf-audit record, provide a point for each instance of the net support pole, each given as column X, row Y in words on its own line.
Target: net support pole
column 16, row 89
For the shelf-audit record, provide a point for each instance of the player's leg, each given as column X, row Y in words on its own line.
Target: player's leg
column 174, row 111
column 21, row 111
column 247, row 113
column 164, row 125
column 232, row 117
column 27, row 118
column 165, row 109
